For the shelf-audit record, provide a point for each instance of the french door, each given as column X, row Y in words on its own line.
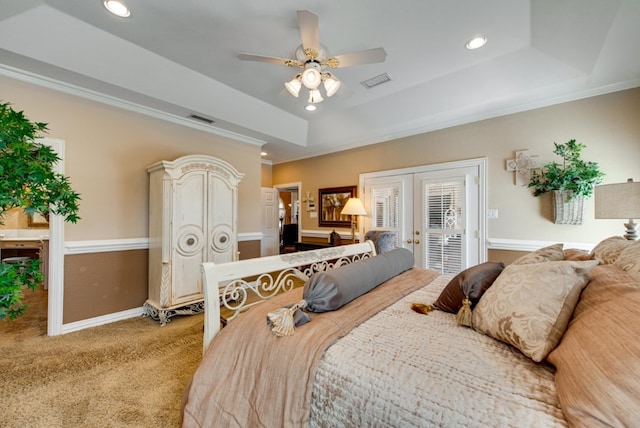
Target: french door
column 436, row 211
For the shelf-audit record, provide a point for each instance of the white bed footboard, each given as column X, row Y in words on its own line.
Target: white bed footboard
column 230, row 284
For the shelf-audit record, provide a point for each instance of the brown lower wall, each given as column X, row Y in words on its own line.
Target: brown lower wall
column 98, row 284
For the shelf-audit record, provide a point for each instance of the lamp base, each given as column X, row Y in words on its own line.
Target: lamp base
column 632, row 230
column 353, row 230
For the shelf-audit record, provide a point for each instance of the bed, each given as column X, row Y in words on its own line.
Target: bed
column 376, row 362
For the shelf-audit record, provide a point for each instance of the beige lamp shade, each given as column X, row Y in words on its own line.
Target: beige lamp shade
column 353, row 207
column 621, row 200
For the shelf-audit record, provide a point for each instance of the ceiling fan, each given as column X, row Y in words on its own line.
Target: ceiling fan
column 312, row 58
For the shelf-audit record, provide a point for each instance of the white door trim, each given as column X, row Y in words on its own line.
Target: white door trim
column 56, row 253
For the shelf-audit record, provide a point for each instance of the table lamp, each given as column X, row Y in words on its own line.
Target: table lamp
column 621, row 200
column 353, row 207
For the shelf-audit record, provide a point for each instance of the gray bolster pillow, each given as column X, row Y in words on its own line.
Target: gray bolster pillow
column 330, row 290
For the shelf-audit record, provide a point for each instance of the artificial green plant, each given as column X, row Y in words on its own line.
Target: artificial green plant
column 28, row 181
column 574, row 175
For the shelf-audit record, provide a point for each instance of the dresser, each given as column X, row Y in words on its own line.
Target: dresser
column 192, row 219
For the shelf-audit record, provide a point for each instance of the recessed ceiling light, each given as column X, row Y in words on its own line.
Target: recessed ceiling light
column 117, row 8
column 263, row 153
column 476, row 42
column 310, row 107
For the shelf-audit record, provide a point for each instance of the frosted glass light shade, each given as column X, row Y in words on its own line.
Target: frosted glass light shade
column 311, row 78
column 315, row 96
column 293, row 86
column 331, row 85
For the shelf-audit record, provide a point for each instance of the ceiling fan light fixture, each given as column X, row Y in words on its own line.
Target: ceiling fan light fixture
column 294, row 85
column 311, row 77
column 315, row 96
column 117, row 8
column 310, row 107
column 331, row 84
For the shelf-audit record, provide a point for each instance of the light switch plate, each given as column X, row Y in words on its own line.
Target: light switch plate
column 492, row 213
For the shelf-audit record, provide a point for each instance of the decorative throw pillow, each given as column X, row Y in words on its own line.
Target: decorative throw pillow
column 597, row 374
column 629, row 259
column 529, row 306
column 471, row 283
column 577, row 255
column 552, row 253
column 608, row 250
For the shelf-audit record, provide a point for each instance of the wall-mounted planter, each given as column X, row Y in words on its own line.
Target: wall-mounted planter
column 567, row 208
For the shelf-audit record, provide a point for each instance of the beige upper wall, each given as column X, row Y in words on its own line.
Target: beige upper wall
column 267, row 175
column 107, row 152
column 609, row 125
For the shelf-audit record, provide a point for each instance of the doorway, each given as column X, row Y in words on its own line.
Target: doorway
column 436, row 211
column 289, row 214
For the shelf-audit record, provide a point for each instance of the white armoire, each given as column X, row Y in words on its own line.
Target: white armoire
column 192, row 219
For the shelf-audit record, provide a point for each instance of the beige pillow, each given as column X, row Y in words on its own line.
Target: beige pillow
column 529, row 306
column 608, row 250
column 551, row 253
column 598, row 363
column 629, row 259
column 577, row 255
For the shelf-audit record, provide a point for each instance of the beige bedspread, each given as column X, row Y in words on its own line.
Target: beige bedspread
column 250, row 378
column 402, row 369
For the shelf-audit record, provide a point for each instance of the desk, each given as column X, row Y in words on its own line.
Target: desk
column 15, row 247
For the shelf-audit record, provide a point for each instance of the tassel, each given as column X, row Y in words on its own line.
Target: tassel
column 421, row 308
column 464, row 315
column 281, row 320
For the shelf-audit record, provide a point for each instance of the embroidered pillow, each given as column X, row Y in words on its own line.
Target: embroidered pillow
column 551, row 253
column 574, row 254
column 597, row 376
column 608, row 250
column 471, row 282
column 629, row 259
column 529, row 306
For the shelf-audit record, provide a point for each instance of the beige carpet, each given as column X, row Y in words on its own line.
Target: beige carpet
column 126, row 374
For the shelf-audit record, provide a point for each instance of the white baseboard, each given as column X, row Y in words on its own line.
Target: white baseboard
column 104, row 319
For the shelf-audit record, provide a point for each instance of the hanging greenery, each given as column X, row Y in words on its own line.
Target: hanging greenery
column 574, row 174
column 28, row 181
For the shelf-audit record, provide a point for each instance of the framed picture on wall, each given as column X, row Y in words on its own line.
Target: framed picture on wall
column 38, row 220
column 332, row 200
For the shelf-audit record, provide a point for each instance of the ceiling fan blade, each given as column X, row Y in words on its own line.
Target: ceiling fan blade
column 368, row 56
column 309, row 30
column 269, row 59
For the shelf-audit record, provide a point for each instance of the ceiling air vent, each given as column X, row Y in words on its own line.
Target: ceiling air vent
column 375, row 81
column 201, row 118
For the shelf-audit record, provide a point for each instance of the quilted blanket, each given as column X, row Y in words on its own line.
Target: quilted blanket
column 403, row 369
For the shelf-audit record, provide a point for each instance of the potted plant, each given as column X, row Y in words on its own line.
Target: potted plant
column 27, row 180
column 570, row 182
